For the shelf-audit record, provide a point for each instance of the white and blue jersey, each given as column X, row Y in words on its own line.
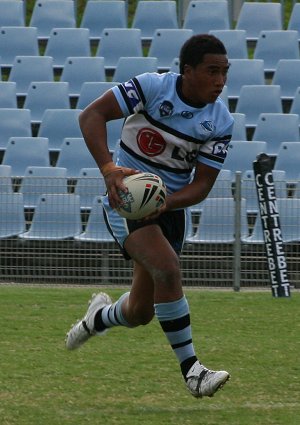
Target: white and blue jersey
column 166, row 135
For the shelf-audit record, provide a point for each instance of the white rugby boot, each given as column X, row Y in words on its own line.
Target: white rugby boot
column 204, row 382
column 84, row 329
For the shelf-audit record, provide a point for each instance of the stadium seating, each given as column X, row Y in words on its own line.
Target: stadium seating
column 26, row 69
column 241, row 155
column 56, row 217
column 294, row 18
column 128, row 67
column 98, row 15
column 74, row 155
column 165, row 45
column 244, row 72
column 255, row 17
column 217, row 222
column 57, row 124
column 5, row 179
column 90, row 183
column 96, row 230
column 44, row 95
column 239, row 127
column 203, row 16
column 12, row 13
column 66, row 42
column 295, row 105
column 17, row 41
column 22, row 152
column 174, row 66
column 275, row 129
column 47, row 15
column 256, row 99
column 8, row 94
column 12, row 219
column 118, row 42
column 14, row 122
column 275, row 45
column 235, row 42
column 152, row 15
column 41, row 180
column 114, row 129
column 90, row 91
column 287, row 75
column 79, row 70
column 288, row 159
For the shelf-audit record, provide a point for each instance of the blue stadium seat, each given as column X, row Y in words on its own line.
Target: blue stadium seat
column 294, row 18
column 41, row 180
column 255, row 17
column 8, row 94
column 295, row 105
column 257, row 99
column 90, row 183
column 56, row 217
column 166, row 44
column 174, row 67
column 275, row 45
column 128, row 67
column 118, row 42
column 14, row 123
column 241, row 155
column 288, row 159
column 287, row 76
column 90, row 91
column 12, row 13
column 17, row 41
column 26, row 69
column 114, row 130
column 47, row 15
column 152, row 15
column 244, row 72
column 5, row 179
column 66, row 42
column 12, row 219
column 239, row 127
column 44, row 95
column 96, row 230
column 275, row 129
column 98, row 15
column 235, row 42
column 82, row 69
column 74, row 155
column 22, row 152
column 204, row 16
column 217, row 222
column 288, row 209
column 57, row 124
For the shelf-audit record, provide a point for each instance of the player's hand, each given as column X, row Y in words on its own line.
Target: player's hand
column 114, row 184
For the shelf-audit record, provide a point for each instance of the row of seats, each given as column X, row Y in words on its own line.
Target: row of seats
column 200, row 16
column 58, row 217
column 271, row 46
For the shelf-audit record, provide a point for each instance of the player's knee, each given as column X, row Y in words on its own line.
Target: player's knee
column 168, row 274
column 143, row 314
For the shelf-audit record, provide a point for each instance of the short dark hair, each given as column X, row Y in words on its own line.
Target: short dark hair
column 194, row 49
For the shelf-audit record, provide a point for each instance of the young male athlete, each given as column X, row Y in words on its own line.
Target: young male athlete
column 175, row 124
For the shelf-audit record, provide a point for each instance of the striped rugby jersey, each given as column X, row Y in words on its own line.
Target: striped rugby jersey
column 166, row 135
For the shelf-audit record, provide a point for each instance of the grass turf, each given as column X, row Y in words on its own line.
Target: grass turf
column 131, row 377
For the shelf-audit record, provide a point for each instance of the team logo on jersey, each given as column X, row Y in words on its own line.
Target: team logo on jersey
column 207, row 125
column 187, row 114
column 220, row 149
column 150, row 142
column 166, row 108
column 132, row 94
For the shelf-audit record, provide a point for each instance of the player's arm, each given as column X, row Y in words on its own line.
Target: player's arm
column 92, row 121
column 196, row 191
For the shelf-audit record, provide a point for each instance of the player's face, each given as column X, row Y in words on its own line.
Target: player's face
column 205, row 82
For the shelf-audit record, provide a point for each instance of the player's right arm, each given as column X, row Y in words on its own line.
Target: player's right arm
column 92, row 121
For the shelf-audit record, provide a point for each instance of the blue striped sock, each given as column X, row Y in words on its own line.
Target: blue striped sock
column 111, row 315
column 174, row 318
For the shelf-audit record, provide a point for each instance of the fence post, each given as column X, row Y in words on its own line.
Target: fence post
column 237, row 232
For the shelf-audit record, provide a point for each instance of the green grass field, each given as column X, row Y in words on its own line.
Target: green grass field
column 131, row 377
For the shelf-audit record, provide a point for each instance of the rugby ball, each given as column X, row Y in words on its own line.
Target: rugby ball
column 146, row 193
